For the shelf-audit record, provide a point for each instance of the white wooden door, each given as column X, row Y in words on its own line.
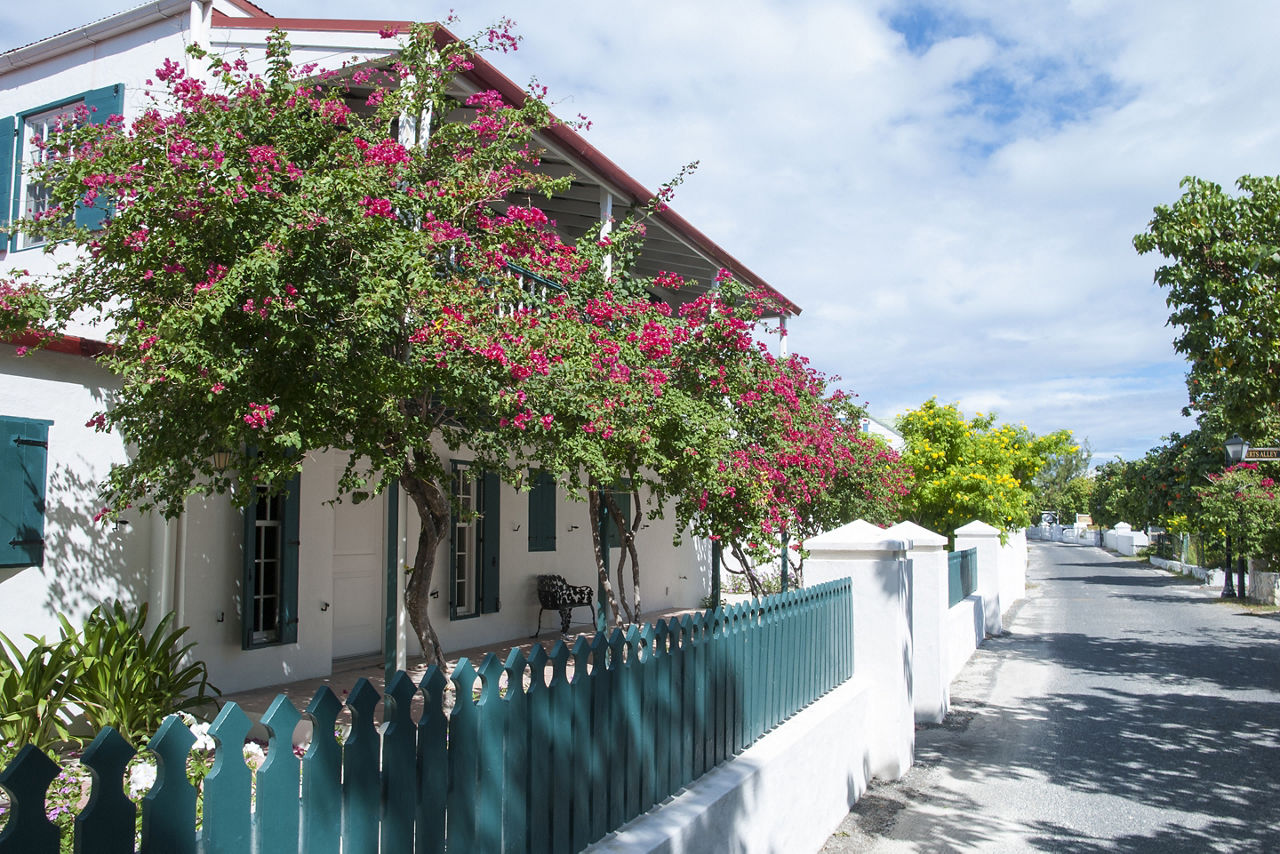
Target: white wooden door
column 358, row 534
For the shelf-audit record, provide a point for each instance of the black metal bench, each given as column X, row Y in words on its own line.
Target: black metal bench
column 556, row 594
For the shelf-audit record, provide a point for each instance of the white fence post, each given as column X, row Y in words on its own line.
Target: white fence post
column 986, row 539
column 930, row 606
column 877, row 564
column 1013, row 569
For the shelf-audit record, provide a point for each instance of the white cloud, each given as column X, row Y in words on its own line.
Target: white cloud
column 954, row 208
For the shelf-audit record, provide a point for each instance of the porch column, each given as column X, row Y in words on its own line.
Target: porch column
column 395, row 638
column 606, row 226
column 391, row 586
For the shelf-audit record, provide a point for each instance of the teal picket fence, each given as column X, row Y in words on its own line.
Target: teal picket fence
column 962, row 577
column 544, row 760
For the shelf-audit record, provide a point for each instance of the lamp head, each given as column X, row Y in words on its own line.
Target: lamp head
column 1236, row 449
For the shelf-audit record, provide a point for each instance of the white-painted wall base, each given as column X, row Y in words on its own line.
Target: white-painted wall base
column 1210, row 576
column 786, row 793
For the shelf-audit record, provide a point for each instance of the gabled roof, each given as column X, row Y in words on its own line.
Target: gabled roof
column 672, row 243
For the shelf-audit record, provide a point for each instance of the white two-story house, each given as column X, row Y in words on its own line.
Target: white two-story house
column 280, row 592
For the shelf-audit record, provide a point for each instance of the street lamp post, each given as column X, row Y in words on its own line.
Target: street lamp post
column 1236, row 449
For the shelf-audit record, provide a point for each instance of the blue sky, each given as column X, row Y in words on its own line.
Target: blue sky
column 949, row 190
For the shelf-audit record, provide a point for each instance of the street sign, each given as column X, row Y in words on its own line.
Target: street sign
column 1254, row 454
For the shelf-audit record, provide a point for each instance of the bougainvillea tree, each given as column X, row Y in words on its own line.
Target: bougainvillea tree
column 685, row 410
column 967, row 469
column 1245, row 503
column 281, row 273
column 794, row 463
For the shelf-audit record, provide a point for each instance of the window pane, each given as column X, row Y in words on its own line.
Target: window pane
column 268, row 566
column 37, row 129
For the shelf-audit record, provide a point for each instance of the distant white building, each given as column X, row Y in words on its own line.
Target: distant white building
column 878, row 428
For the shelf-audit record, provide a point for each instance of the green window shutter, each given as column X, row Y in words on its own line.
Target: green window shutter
column 103, row 104
column 288, row 602
column 8, row 175
column 24, row 450
column 623, row 499
column 248, row 572
column 289, row 574
column 542, row 513
column 489, row 534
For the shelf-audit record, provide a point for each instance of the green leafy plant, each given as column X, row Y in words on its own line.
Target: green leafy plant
column 972, row 468
column 131, row 680
column 34, row 688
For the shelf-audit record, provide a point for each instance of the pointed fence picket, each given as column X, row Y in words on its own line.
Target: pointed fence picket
column 646, row 712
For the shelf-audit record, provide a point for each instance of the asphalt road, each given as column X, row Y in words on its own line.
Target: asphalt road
column 1125, row 709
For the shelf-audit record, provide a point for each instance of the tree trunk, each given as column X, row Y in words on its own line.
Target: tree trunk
column 797, row 571
column 626, row 549
column 631, row 548
column 602, row 569
column 622, row 587
column 434, row 515
column 747, row 568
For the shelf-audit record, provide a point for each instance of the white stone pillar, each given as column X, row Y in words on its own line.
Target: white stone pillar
column 930, row 604
column 877, row 565
column 986, row 539
column 1013, row 569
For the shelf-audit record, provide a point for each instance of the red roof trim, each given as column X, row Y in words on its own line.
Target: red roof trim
column 322, row 25
column 70, row 344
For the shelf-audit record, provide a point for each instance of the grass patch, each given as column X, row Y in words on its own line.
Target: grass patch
column 1251, row 608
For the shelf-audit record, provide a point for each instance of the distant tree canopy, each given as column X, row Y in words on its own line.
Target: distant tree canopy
column 1063, row 484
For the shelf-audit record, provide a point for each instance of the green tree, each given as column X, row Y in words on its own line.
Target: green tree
column 1109, row 502
column 1075, row 498
column 1054, row 482
column 1222, row 260
column 967, row 469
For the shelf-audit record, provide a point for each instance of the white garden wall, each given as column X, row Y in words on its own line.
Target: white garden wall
column 883, row 653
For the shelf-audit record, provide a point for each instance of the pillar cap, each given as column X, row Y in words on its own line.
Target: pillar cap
column 977, row 528
column 918, row 534
column 860, row 536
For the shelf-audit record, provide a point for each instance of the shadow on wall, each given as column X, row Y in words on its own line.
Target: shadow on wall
column 85, row 562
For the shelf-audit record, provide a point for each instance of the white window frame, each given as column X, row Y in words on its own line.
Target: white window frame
column 465, row 543
column 32, row 199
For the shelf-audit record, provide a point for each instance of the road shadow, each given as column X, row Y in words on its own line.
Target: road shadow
column 1129, row 580
column 1184, row 719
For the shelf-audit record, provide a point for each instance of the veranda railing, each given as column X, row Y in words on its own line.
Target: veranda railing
column 546, row 765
